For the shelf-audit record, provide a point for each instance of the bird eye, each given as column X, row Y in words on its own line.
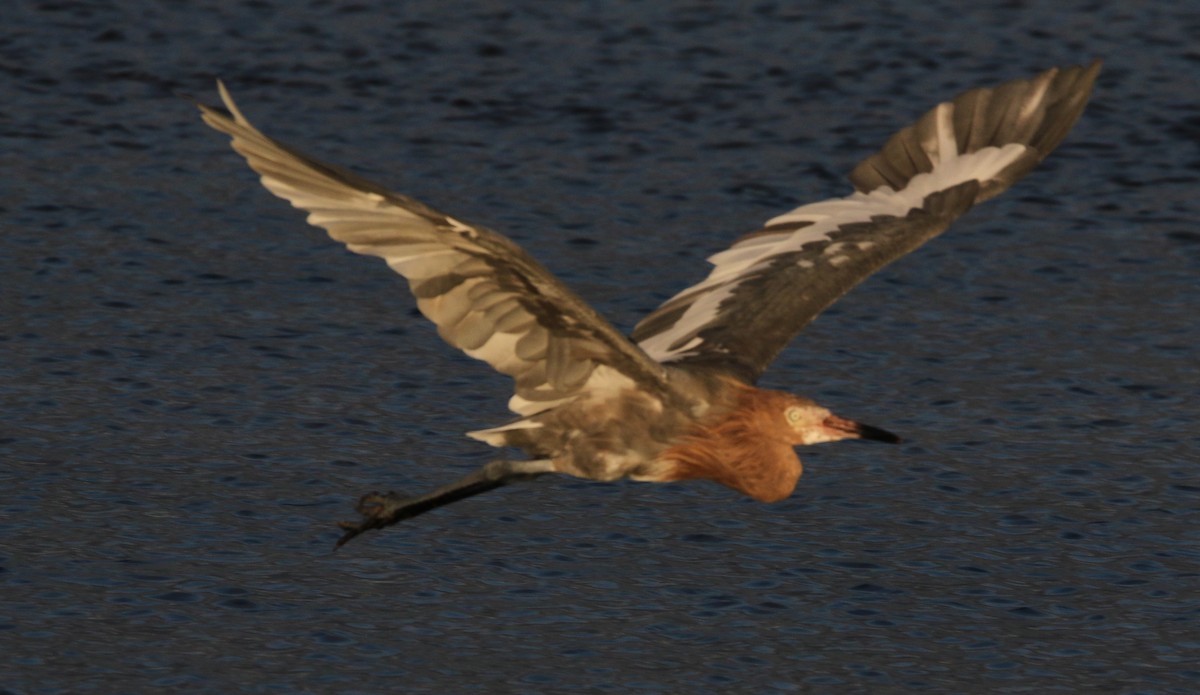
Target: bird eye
column 793, row 414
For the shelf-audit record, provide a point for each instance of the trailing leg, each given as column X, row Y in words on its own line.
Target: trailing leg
column 380, row 510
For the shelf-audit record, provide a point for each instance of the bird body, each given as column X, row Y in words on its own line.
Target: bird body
column 676, row 399
column 710, row 427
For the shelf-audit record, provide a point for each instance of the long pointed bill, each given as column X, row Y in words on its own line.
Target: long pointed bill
column 849, row 429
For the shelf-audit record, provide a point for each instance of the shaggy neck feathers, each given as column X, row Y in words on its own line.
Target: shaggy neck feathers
column 748, row 448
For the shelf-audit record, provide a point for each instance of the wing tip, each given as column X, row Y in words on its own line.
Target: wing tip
column 230, row 105
column 1037, row 112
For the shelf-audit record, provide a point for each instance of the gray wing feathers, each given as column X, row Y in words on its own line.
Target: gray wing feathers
column 742, row 342
column 771, row 283
column 1037, row 112
column 485, row 294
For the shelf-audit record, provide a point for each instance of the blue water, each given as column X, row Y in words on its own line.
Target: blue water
column 195, row 385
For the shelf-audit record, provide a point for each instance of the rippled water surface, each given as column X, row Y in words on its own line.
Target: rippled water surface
column 195, row 385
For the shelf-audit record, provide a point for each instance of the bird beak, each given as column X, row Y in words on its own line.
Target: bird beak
column 849, row 429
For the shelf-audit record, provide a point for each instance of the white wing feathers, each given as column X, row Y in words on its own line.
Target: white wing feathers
column 487, row 296
column 984, row 139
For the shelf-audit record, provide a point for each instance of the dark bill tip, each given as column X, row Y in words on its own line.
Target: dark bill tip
column 860, row 431
column 877, row 435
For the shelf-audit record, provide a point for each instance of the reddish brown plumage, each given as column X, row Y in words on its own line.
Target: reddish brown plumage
column 656, row 407
column 748, row 448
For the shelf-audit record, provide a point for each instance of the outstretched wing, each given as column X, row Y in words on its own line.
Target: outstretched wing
column 487, row 296
column 773, row 282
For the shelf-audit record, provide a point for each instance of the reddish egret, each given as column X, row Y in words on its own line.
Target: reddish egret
column 675, row 400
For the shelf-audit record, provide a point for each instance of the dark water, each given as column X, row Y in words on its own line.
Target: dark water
column 195, row 384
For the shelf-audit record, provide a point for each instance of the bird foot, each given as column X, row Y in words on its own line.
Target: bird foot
column 378, row 511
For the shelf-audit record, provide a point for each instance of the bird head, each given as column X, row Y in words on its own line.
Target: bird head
column 809, row 423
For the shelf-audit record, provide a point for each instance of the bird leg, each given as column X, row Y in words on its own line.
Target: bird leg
column 379, row 510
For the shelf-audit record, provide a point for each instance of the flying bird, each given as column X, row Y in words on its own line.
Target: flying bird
column 675, row 400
